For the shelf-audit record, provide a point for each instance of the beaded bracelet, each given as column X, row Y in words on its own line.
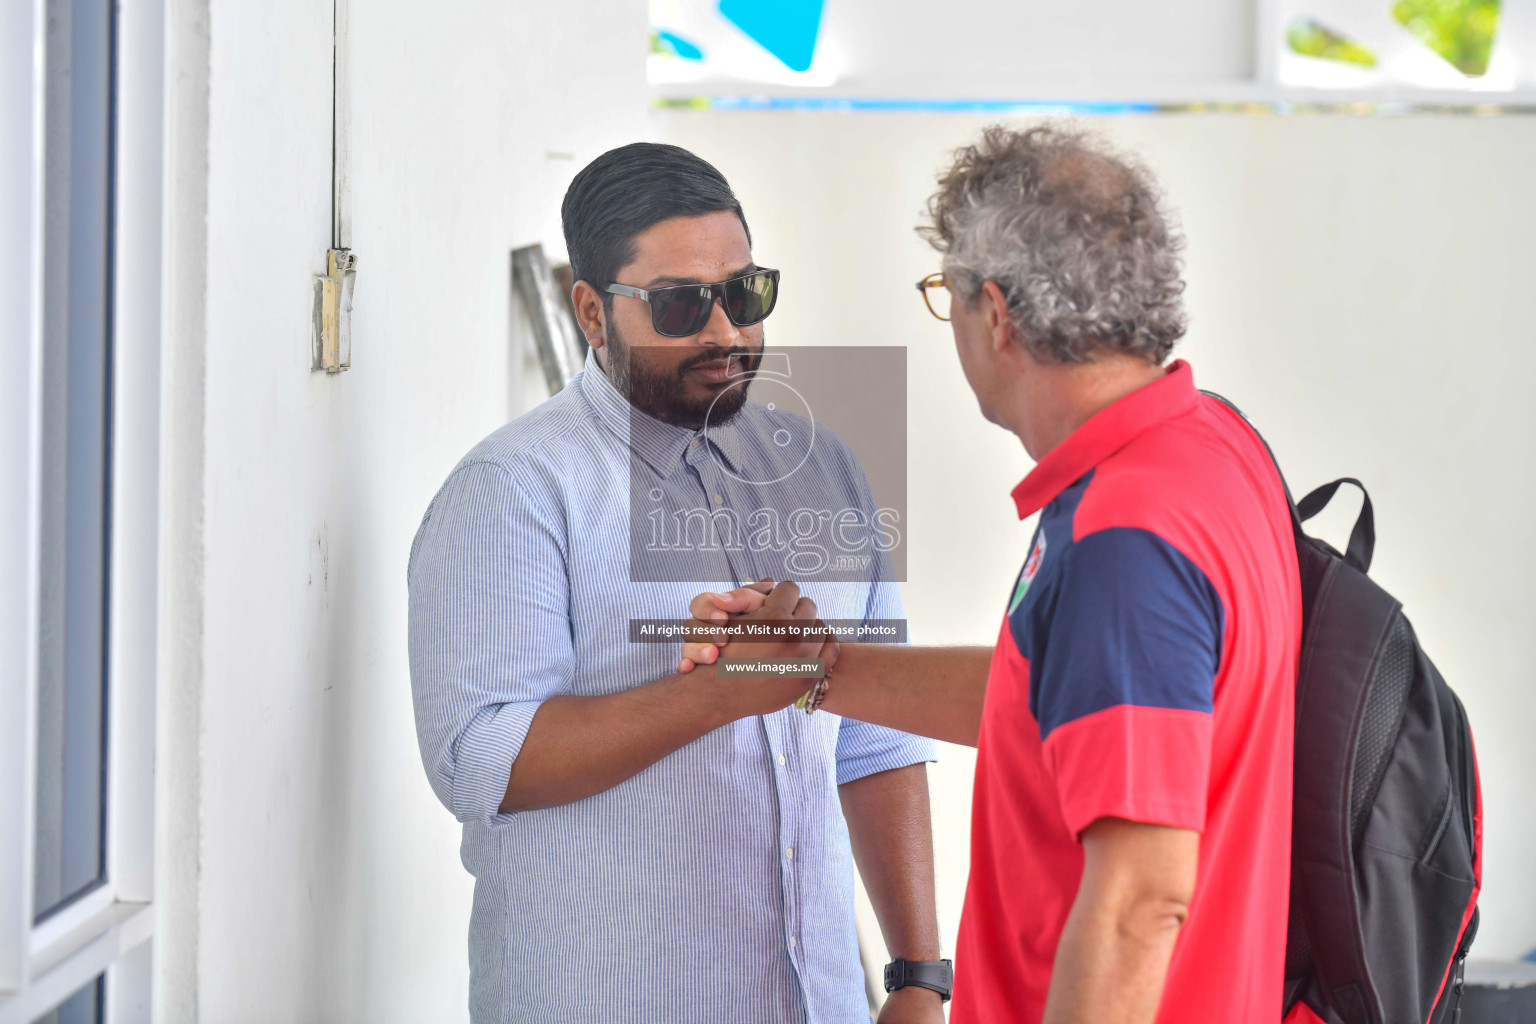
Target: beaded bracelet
column 815, row 695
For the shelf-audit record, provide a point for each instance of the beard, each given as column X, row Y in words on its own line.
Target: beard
column 660, row 389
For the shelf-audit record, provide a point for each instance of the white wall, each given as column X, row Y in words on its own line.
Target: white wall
column 1360, row 286
column 317, row 876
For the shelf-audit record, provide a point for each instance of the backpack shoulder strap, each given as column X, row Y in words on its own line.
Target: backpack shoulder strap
column 1296, row 516
column 1362, row 538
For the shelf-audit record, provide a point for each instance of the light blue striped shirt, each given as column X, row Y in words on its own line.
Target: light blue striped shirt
column 716, row 885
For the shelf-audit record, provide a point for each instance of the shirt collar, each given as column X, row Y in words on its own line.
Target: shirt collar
column 725, row 438
column 660, row 445
column 1106, row 432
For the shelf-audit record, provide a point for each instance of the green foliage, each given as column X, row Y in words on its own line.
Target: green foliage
column 680, row 103
column 1310, row 39
column 1461, row 31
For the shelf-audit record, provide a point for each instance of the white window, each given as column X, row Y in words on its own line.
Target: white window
column 81, row 87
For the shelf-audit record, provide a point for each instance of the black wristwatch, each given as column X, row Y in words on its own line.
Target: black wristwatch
column 938, row 975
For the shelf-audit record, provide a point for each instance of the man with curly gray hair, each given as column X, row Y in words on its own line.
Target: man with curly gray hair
column 1130, row 827
column 1073, row 236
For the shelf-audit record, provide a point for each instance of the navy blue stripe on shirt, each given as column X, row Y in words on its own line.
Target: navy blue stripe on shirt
column 1132, row 620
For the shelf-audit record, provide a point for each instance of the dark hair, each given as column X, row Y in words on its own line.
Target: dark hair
column 626, row 190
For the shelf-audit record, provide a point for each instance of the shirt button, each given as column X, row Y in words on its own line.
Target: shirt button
column 719, row 500
column 782, row 762
column 697, row 441
column 789, row 853
column 791, row 942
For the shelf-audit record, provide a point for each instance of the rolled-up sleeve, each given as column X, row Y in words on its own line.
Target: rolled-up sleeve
column 864, row 749
column 490, row 635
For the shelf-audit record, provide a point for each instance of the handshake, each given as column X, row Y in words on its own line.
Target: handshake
column 728, row 619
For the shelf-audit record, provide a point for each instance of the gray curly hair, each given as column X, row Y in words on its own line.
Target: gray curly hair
column 1072, row 233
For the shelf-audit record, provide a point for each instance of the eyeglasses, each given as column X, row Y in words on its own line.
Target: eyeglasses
column 681, row 311
column 935, row 295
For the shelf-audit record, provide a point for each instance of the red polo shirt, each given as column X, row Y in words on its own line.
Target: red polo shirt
column 1145, row 670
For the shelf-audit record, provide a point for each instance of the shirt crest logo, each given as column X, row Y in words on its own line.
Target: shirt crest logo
column 1031, row 566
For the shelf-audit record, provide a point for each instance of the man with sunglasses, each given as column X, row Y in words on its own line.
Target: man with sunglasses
column 649, row 846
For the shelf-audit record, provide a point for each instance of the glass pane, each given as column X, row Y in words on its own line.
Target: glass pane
column 1461, row 31
column 76, row 404
column 1313, row 39
column 84, row 1007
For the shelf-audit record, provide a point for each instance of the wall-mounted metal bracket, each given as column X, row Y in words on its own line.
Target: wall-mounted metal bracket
column 561, row 346
column 332, row 330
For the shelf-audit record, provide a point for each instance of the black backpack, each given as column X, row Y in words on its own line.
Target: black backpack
column 1386, row 828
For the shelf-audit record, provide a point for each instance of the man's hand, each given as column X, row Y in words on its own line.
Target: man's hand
column 710, row 608
column 912, row 1005
column 765, row 696
column 926, row 691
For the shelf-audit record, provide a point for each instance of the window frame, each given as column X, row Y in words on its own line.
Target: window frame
column 108, row 930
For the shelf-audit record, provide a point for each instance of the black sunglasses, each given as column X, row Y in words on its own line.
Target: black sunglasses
column 681, row 311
